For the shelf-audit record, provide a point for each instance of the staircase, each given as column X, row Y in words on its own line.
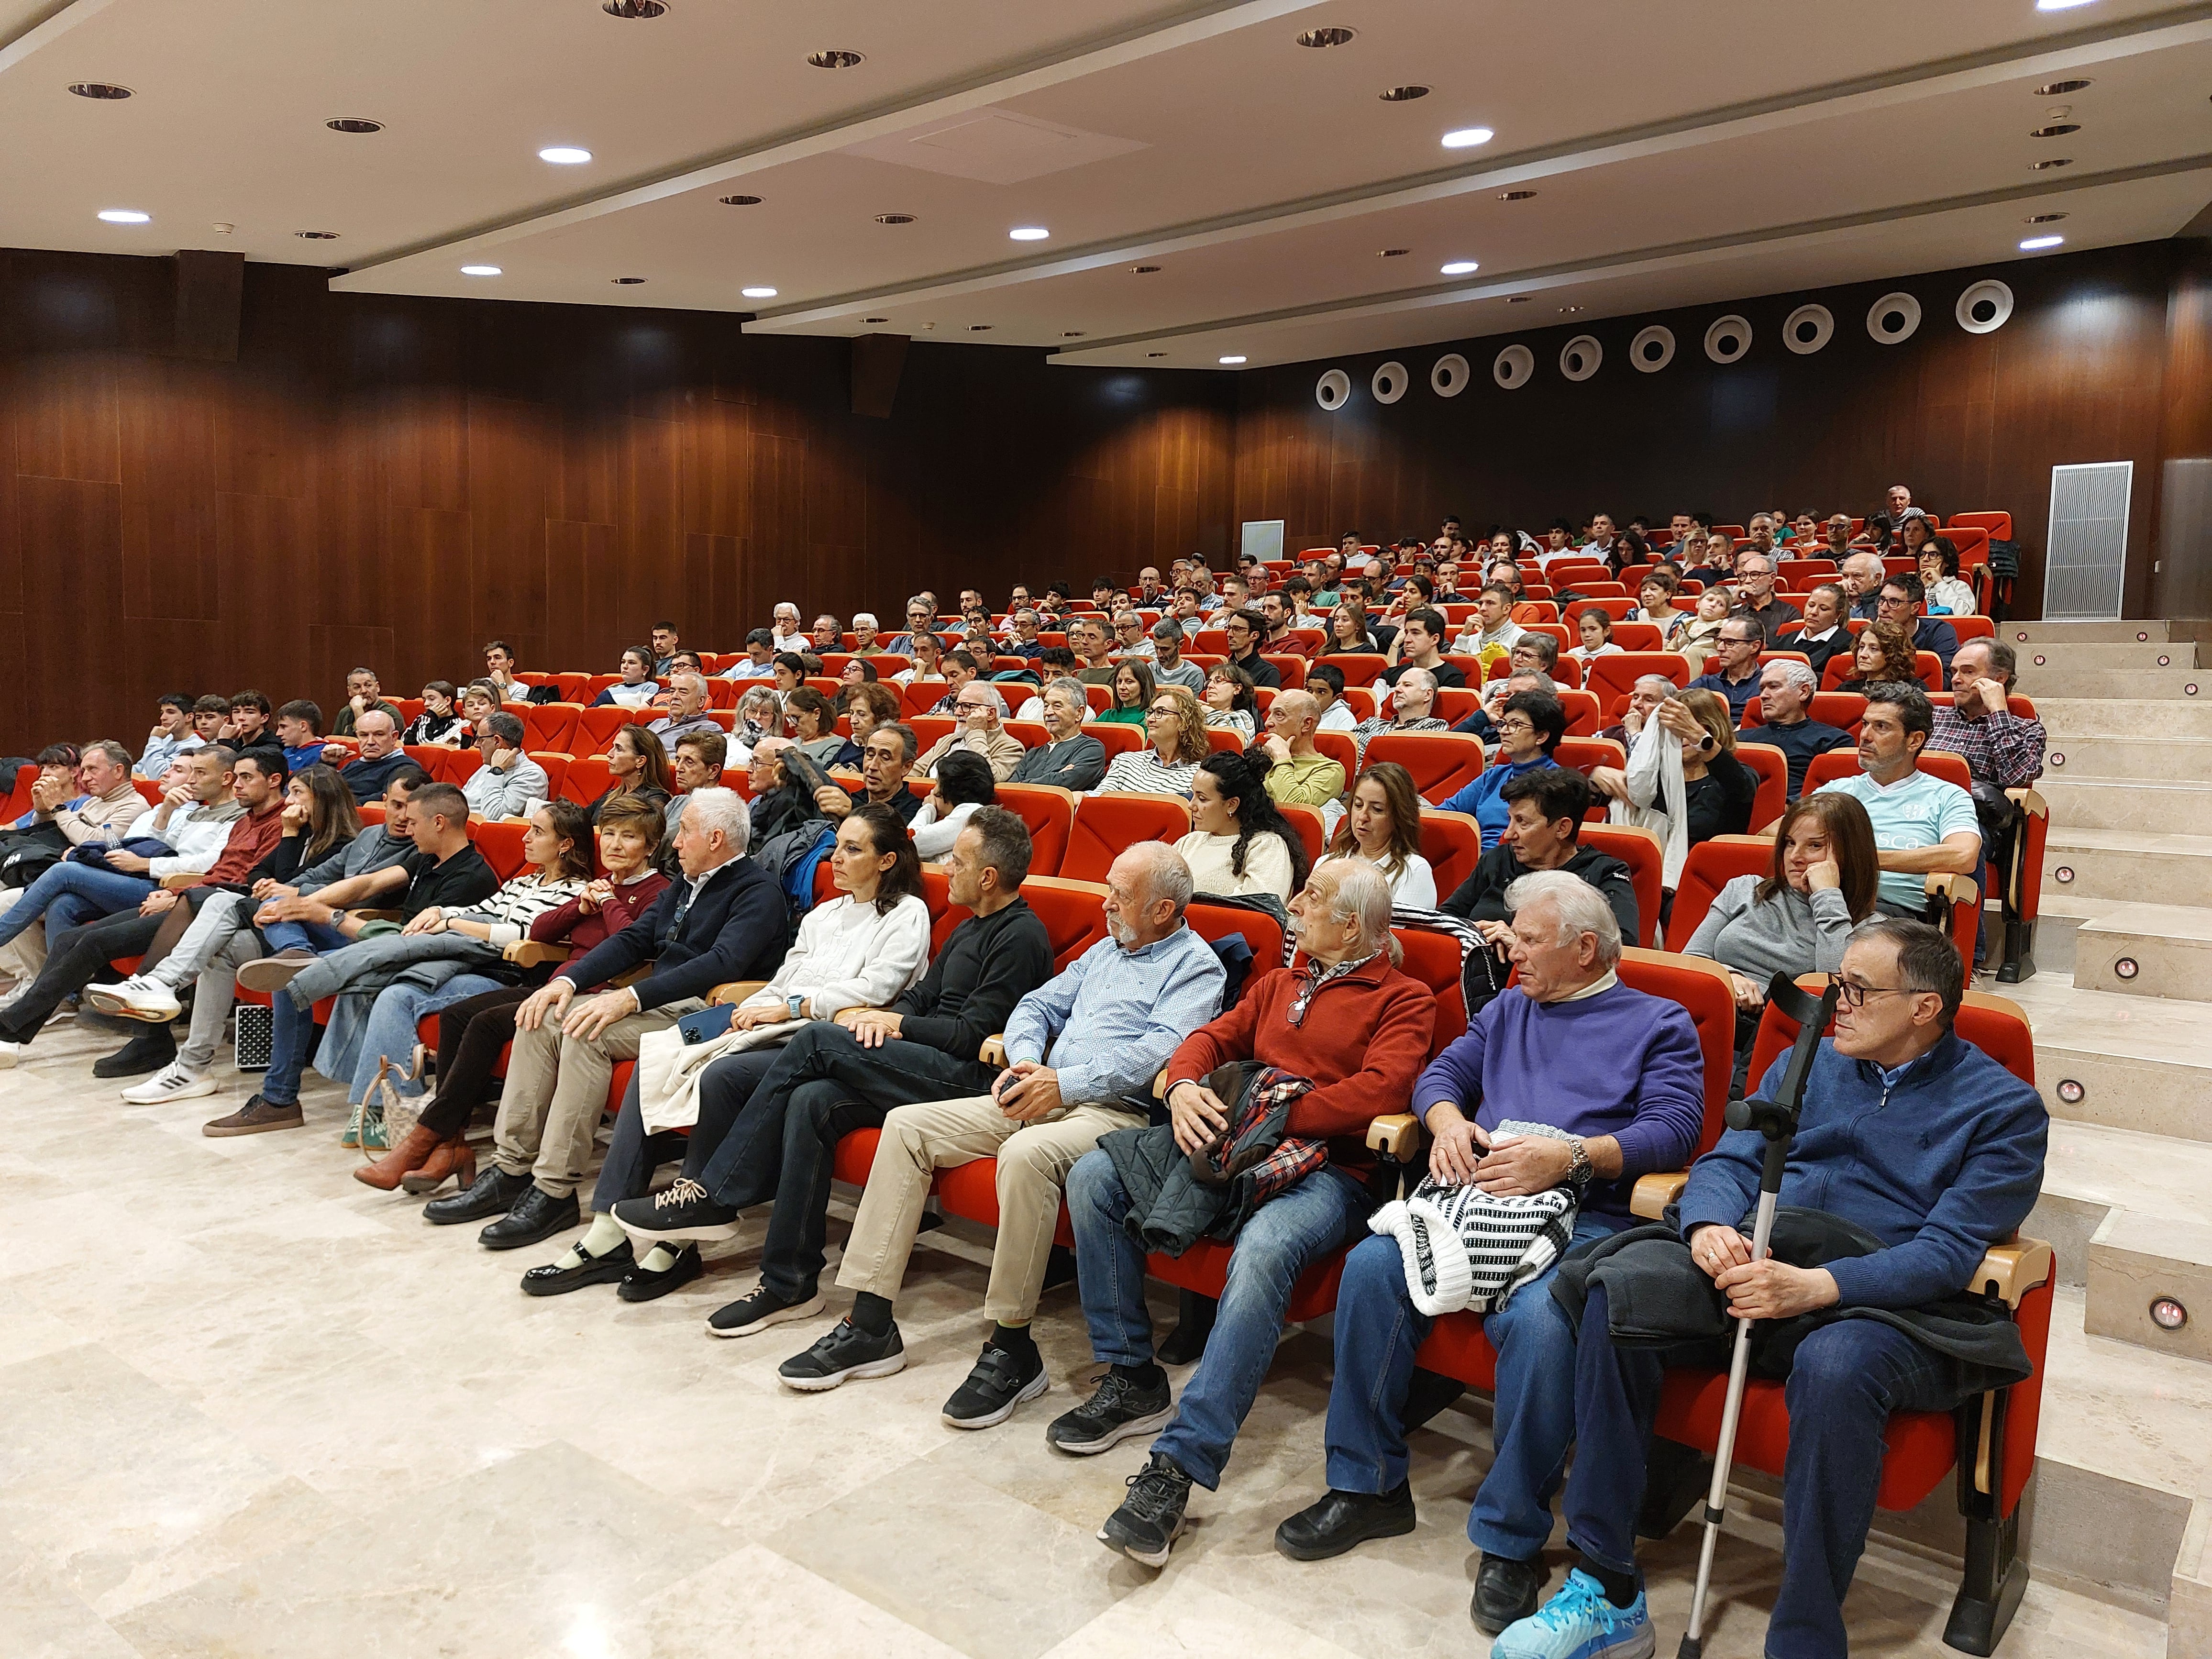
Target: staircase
column 2122, row 1012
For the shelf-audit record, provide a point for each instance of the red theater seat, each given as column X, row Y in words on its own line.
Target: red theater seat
column 1104, row 824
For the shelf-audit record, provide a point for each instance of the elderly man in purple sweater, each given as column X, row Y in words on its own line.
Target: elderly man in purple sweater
column 1906, row 1132
column 1618, row 1071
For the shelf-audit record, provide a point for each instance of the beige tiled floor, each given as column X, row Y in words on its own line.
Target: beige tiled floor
column 249, row 1408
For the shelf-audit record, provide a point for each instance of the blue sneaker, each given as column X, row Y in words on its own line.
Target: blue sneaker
column 1579, row 1623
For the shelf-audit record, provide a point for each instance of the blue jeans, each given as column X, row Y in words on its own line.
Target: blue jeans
column 391, row 1024
column 1846, row 1379
column 302, row 936
column 1378, row 1330
column 1283, row 1237
column 69, row 895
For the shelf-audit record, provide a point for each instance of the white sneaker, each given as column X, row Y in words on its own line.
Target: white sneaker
column 139, row 997
column 8, row 1053
column 172, row 1082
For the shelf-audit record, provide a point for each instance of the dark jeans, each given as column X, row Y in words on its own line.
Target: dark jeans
column 74, row 960
column 781, row 1142
column 470, row 1034
column 1845, row 1381
column 635, row 1155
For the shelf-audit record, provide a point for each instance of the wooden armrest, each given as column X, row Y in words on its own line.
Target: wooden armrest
column 2029, row 802
column 178, row 883
column 374, row 916
column 1160, row 1083
column 994, row 1051
column 2009, row 1272
column 1398, row 1136
column 529, row 953
column 1953, row 888
column 1654, row 1193
column 736, row 991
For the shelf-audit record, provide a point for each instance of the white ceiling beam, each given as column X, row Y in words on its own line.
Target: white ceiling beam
column 48, row 29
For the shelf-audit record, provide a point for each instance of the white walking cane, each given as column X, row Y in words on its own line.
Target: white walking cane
column 1777, row 1120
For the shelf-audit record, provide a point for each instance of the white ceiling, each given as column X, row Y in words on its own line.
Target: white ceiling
column 1678, row 155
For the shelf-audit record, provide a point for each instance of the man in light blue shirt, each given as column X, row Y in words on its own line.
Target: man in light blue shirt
column 1923, row 826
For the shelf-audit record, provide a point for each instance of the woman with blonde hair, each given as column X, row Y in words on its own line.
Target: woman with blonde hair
column 1176, row 726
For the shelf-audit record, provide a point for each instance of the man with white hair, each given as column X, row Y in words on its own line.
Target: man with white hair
column 724, row 919
column 1860, row 576
column 1785, row 713
column 979, row 708
column 865, row 630
column 785, row 631
column 687, row 708
column 1619, row 1076
column 1341, row 1037
column 1070, row 758
column 1082, row 1050
column 1644, row 699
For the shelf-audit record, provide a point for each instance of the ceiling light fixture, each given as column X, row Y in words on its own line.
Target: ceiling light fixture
column 1462, row 268
column 1146, row 271
column 834, row 59
column 1517, row 195
column 1393, row 253
column 354, row 123
column 2055, row 130
column 1403, row 94
column 1028, row 233
column 1517, row 299
column 2058, row 5
column 895, row 218
column 1070, row 334
column 104, row 89
column 2043, row 218
column 757, row 293
column 740, row 201
column 316, row 235
column 626, row 281
column 2037, row 244
column 875, row 319
column 479, row 271
column 2050, row 162
column 123, row 216
column 1156, row 353
column 979, row 328
column 1333, row 35
column 2060, row 88
column 564, row 156
column 634, row 8
column 1468, row 137
column 1231, row 362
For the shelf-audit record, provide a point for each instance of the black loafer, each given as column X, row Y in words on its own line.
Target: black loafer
column 639, row 1285
column 1505, row 1592
column 553, row 1279
column 535, row 1216
column 493, row 1194
column 145, row 1054
column 1343, row 1519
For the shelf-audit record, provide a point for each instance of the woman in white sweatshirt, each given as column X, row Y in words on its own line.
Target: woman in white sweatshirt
column 1243, row 843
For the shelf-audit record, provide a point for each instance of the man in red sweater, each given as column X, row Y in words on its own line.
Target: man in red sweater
column 1359, row 1029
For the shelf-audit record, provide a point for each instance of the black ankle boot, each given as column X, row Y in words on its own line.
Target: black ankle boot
column 144, row 1055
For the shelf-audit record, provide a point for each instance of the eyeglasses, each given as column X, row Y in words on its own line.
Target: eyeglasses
column 1505, row 726
column 1854, row 996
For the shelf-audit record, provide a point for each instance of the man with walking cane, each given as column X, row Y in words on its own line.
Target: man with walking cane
column 1914, row 1153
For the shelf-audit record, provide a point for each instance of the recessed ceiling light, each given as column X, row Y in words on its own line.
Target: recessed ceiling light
column 1462, row 268
column 979, row 328
column 833, row 59
column 2058, row 5
column 1403, row 94
column 1395, row 252
column 895, row 218
column 479, row 271
column 634, row 8
column 1517, row 195
column 1517, row 299
column 2050, row 162
column 354, row 124
column 626, row 281
column 757, row 293
column 1146, row 271
column 1331, row 36
column 2055, row 130
column 2060, row 88
column 123, row 215
column 1029, row 232
column 1156, row 353
column 740, row 201
column 2037, row 244
column 564, row 156
column 2043, row 218
column 1468, row 137
column 316, row 235
column 1231, row 362
column 1569, row 311
column 1070, row 334
column 875, row 319
column 106, row 89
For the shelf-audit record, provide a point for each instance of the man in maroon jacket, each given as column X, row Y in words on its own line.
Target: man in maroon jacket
column 1347, row 1020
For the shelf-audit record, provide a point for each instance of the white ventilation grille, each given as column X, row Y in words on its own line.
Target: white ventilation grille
column 2086, row 556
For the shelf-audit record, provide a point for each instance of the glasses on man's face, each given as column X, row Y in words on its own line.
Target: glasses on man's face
column 1892, row 601
column 1854, row 996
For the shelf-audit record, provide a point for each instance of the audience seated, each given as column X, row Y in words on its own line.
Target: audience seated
column 636, row 765
column 1382, row 826
column 963, row 783
column 1644, row 699
column 499, row 664
column 1732, row 672
column 1325, row 685
column 1240, row 842
column 247, row 727
column 686, row 697
column 1297, row 772
column 1070, row 758
column 979, row 708
column 297, row 729
column 1898, row 600
column 1823, row 634
column 1177, row 729
column 1754, row 596
column 1785, row 702
column 440, row 722
column 1413, row 701
column 698, row 765
column 1924, row 825
column 509, row 781
column 1131, row 689
column 172, row 735
column 1946, row 593
column 780, row 803
column 363, row 694
column 1530, row 726
column 1492, row 623
column 377, row 736
column 1230, row 704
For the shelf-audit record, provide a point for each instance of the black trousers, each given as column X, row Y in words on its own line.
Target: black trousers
column 470, row 1034
column 73, row 961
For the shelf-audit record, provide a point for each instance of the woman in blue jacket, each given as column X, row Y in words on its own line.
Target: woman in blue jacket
column 1530, row 726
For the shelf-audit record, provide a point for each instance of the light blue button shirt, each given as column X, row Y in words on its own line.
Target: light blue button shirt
column 1118, row 1015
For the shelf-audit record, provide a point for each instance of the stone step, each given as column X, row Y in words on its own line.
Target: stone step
column 2103, row 633
column 2136, row 802
column 2134, row 757
column 2147, row 950
column 2156, row 653
column 2141, row 1264
column 2068, row 718
column 2092, row 1172
column 2128, row 864
column 2119, row 1062
column 2160, row 684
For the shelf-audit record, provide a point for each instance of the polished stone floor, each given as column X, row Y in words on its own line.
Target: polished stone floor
column 250, row 1407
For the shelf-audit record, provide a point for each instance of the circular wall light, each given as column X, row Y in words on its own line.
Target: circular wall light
column 1333, row 390
column 1728, row 338
column 1513, row 367
column 1807, row 329
column 1449, row 374
column 479, row 271
column 2071, row 1091
column 1580, row 356
column 1983, row 308
column 1892, row 318
column 1652, row 348
column 1229, row 362
column 354, row 124
column 2168, row 1313
column 1332, row 35
column 1389, row 382
column 564, row 156
column 123, row 216
column 103, row 89
column 2126, row 968
column 834, row 59
column 1028, row 233
column 757, row 293
column 1461, row 268
column 1468, row 137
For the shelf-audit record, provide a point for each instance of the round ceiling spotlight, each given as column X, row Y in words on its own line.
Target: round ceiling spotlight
column 102, row 89
column 1403, row 94
column 1580, row 357
column 636, row 9
column 564, row 156
column 2055, row 130
column 626, row 281
column 2043, row 218
column 740, row 201
column 1028, row 233
column 1513, row 367
column 1892, row 318
column 2050, row 162
column 757, row 293
column 355, row 123
column 1333, row 390
column 1984, row 308
column 1729, row 338
column 123, row 216
column 1517, row 195
column 479, row 271
column 2060, row 88
column 316, row 235
column 1389, row 383
column 834, row 59
column 1807, row 329
column 1450, row 375
column 1467, row 137
column 1333, row 35
column 895, row 218
column 1652, row 348
column 1146, row 271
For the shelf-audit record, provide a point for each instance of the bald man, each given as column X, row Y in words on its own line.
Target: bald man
column 1300, row 775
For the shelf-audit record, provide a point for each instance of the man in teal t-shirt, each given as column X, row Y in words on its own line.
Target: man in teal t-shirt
column 1923, row 826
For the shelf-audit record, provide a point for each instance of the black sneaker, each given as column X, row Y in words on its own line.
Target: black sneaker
column 685, row 1211
column 1119, row 1409
column 1002, row 1380
column 758, row 1309
column 847, row 1351
column 1150, row 1519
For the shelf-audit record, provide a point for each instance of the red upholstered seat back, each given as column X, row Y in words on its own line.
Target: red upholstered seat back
column 1711, row 866
column 1104, row 824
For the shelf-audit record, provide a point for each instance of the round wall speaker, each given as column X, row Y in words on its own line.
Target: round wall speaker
column 1727, row 339
column 1389, row 383
column 1449, row 376
column 1892, row 318
column 1807, row 329
column 1652, row 349
column 1334, row 390
column 1513, row 367
column 1983, row 308
column 1580, row 356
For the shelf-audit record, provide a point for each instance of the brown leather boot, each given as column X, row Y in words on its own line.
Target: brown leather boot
column 415, row 1149
column 454, row 1156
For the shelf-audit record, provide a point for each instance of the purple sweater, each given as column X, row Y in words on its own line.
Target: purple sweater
column 1620, row 1063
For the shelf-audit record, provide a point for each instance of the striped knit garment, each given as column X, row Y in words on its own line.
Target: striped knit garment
column 1467, row 1249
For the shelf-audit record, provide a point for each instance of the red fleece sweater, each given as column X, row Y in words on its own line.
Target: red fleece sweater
column 1365, row 1040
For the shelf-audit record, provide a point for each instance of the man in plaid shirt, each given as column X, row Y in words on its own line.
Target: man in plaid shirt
column 1998, row 746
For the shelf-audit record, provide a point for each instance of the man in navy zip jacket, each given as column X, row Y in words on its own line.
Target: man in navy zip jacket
column 1907, row 1131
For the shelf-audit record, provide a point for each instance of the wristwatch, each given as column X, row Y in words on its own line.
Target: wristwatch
column 1578, row 1161
column 337, row 917
column 796, row 1004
